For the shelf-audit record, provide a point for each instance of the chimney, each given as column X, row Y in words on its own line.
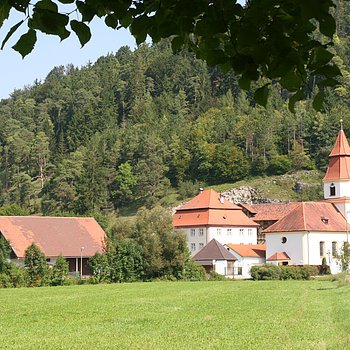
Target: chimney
column 201, row 190
column 222, row 199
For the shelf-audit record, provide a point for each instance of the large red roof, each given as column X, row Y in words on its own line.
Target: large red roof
column 311, row 216
column 339, row 163
column 212, row 217
column 272, row 211
column 209, row 199
column 208, row 208
column 249, row 250
column 53, row 235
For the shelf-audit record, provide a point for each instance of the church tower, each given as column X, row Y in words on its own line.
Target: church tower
column 336, row 183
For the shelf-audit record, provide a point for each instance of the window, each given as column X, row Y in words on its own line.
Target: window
column 193, row 232
column 201, row 232
column 241, row 231
column 250, row 232
column 193, row 247
column 239, row 271
column 229, row 231
column 332, row 189
column 322, row 246
column 334, row 249
column 201, row 245
column 284, row 240
column 218, row 231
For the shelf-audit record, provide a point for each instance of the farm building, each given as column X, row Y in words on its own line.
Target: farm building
column 208, row 216
column 77, row 239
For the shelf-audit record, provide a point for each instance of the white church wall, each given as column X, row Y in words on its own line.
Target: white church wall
column 342, row 189
column 293, row 246
column 196, row 238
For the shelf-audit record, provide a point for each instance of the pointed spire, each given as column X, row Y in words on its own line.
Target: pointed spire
column 341, row 146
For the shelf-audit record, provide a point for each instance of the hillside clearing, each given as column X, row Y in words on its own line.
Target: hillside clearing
column 180, row 315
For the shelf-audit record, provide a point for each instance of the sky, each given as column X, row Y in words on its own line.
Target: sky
column 49, row 52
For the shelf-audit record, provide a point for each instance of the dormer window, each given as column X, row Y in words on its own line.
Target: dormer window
column 332, row 190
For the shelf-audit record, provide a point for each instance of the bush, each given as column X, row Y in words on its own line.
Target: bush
column 214, row 276
column 193, row 271
column 273, row 272
column 265, row 272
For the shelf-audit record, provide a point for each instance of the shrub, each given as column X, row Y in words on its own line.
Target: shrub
column 214, row 276
column 59, row 272
column 265, row 272
column 308, row 271
column 291, row 273
column 193, row 271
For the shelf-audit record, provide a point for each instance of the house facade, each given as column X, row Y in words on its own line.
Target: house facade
column 209, row 216
column 76, row 239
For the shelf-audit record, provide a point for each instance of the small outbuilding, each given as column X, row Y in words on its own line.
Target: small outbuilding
column 215, row 257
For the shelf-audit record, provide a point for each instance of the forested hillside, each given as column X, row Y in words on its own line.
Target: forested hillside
column 138, row 125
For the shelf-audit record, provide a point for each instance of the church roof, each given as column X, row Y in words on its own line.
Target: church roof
column 339, row 162
column 214, row 251
column 341, row 146
column 209, row 199
column 311, row 216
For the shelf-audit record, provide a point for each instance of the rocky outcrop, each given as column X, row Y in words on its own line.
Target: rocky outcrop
column 246, row 195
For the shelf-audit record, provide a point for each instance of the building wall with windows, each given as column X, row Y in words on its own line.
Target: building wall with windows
column 235, row 235
column 198, row 237
column 308, row 248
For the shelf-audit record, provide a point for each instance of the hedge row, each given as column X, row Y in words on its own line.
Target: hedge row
column 274, row 272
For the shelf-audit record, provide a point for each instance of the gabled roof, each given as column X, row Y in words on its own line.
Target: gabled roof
column 249, row 250
column 53, row 235
column 212, row 217
column 311, row 216
column 339, row 163
column 279, row 256
column 272, row 211
column 208, row 199
column 214, row 251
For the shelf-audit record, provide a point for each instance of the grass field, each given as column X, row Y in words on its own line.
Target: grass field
column 179, row 315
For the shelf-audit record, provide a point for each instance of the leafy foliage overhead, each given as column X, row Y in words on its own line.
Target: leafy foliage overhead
column 277, row 40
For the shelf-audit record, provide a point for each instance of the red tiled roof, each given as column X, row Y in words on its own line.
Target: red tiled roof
column 53, row 235
column 341, row 146
column 272, row 211
column 279, row 256
column 212, row 217
column 208, row 199
column 311, row 216
column 339, row 163
column 248, row 207
column 214, row 251
column 249, row 250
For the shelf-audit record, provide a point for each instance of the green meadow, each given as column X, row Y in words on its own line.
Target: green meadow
column 250, row 315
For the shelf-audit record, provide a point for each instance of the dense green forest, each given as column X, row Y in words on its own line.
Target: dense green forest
column 138, row 126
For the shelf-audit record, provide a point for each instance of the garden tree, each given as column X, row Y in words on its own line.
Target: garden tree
column 274, row 40
column 35, row 263
column 5, row 251
column 60, row 271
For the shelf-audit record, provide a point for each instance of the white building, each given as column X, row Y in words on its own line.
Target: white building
column 312, row 231
column 208, row 216
column 246, row 257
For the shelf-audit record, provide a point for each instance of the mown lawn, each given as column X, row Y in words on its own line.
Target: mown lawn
column 194, row 315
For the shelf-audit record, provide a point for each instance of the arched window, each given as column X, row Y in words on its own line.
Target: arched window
column 322, row 247
column 332, row 190
column 334, row 249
